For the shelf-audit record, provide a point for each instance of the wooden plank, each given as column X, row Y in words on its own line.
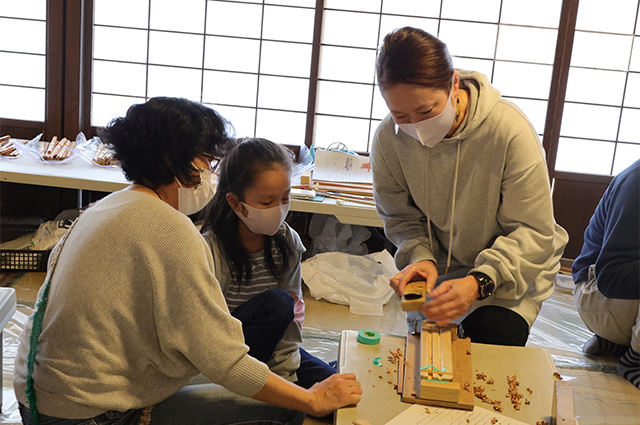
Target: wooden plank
column 400, row 369
column 442, row 391
column 563, row 408
column 446, row 354
column 426, row 353
column 436, row 359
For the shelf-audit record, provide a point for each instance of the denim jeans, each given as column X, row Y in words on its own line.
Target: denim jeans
column 204, row 404
column 265, row 318
column 108, row 418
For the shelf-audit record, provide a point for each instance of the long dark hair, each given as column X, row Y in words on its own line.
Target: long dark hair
column 413, row 56
column 239, row 170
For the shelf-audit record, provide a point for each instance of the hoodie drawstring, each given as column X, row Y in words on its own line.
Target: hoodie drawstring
column 453, row 208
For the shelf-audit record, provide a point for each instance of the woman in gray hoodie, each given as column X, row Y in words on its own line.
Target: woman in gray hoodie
column 461, row 183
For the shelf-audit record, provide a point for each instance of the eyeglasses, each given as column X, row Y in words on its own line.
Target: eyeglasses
column 213, row 161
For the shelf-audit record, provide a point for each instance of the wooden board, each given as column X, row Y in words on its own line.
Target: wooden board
column 463, row 372
column 380, row 401
column 563, row 408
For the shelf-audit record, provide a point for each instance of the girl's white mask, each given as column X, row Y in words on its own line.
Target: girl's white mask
column 432, row 131
column 265, row 221
column 193, row 199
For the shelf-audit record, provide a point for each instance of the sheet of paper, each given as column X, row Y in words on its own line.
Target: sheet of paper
column 342, row 167
column 418, row 415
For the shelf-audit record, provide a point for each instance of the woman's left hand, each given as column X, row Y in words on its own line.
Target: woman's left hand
column 451, row 299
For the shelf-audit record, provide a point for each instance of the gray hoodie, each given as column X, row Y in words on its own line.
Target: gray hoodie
column 485, row 189
column 285, row 360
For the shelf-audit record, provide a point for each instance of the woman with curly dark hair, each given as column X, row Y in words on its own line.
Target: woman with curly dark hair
column 128, row 315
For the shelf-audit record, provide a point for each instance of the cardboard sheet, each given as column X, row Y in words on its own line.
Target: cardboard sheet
column 380, row 402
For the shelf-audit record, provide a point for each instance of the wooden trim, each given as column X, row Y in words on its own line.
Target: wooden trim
column 20, row 129
column 54, row 93
column 73, row 20
column 86, row 67
column 313, row 75
column 559, row 77
column 584, row 178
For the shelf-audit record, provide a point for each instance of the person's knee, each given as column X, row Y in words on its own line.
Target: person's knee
column 281, row 305
column 496, row 325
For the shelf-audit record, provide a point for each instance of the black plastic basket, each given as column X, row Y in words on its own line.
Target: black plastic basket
column 21, row 260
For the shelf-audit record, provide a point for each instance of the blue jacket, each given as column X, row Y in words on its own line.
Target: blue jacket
column 612, row 239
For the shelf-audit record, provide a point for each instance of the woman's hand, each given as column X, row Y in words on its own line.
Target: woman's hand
column 451, row 299
column 333, row 393
column 422, row 270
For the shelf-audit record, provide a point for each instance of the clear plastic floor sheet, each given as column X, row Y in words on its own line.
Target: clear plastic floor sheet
column 558, row 329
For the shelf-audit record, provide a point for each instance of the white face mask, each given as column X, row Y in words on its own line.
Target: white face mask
column 193, row 199
column 431, row 131
column 264, row 221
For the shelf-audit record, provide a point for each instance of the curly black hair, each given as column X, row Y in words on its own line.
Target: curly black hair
column 156, row 141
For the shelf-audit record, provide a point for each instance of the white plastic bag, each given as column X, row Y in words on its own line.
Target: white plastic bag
column 330, row 235
column 359, row 281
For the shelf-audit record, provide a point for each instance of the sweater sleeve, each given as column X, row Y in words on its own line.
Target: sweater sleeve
column 591, row 247
column 405, row 225
column 525, row 258
column 193, row 320
column 612, row 239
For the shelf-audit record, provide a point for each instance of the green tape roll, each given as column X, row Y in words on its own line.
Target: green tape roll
column 368, row 337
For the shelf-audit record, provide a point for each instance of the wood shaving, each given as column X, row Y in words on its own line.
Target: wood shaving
column 478, row 392
column 426, row 409
column 513, row 394
column 394, row 356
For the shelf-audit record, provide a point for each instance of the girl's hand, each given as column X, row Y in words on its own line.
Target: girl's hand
column 422, row 270
column 336, row 391
column 451, row 299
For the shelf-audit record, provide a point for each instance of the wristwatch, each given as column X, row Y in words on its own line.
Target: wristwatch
column 485, row 285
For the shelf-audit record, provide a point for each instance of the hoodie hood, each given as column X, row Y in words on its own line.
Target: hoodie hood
column 483, row 98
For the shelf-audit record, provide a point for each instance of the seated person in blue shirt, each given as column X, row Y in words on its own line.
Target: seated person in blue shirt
column 257, row 257
column 607, row 275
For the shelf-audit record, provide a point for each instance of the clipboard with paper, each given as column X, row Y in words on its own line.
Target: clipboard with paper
column 338, row 166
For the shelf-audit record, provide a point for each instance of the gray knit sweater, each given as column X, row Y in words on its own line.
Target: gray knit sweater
column 133, row 316
column 503, row 223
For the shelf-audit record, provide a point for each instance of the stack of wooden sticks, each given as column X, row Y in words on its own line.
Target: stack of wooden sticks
column 7, row 148
column 56, row 150
column 361, row 193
